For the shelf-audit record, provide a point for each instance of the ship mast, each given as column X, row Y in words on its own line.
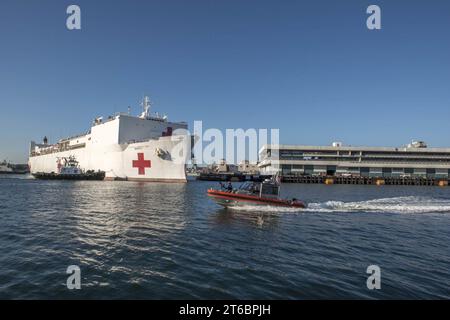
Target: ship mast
column 146, row 105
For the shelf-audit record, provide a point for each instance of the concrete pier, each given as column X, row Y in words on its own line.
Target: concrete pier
column 358, row 180
column 233, row 177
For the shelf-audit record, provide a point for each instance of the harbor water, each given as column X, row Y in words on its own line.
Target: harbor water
column 170, row 241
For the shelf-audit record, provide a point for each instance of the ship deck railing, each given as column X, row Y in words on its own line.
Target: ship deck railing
column 56, row 150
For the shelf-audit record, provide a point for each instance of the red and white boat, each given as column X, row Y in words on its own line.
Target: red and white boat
column 266, row 193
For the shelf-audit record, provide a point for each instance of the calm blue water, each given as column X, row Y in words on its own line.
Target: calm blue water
column 166, row 241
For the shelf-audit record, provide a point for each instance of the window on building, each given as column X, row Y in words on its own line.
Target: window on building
column 431, row 173
column 286, row 169
column 387, row 172
column 365, row 172
column 290, row 154
column 331, row 170
column 309, row 169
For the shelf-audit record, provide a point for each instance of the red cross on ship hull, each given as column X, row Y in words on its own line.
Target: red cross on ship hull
column 141, row 164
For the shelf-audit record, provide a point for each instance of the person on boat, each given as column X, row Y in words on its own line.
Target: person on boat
column 255, row 188
column 230, row 187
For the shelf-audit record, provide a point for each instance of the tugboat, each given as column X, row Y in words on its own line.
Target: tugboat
column 266, row 193
column 69, row 169
column 5, row 168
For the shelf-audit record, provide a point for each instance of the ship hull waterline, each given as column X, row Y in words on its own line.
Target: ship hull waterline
column 97, row 176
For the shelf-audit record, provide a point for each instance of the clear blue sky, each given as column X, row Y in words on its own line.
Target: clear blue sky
column 310, row 68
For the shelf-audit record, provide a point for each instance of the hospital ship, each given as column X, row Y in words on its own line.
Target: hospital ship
column 126, row 147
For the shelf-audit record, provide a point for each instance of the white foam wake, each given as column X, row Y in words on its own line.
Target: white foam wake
column 274, row 209
column 410, row 204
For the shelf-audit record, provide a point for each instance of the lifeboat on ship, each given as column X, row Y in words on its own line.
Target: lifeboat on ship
column 266, row 193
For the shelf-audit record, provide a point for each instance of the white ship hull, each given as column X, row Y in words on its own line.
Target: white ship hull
column 134, row 162
column 124, row 147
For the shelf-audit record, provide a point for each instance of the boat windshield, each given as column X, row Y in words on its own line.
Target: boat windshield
column 245, row 186
column 270, row 189
column 250, row 187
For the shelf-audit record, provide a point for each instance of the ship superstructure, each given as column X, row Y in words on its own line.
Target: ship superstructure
column 124, row 146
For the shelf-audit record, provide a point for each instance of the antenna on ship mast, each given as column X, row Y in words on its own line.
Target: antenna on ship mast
column 146, row 105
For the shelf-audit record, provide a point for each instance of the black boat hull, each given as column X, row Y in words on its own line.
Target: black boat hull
column 99, row 175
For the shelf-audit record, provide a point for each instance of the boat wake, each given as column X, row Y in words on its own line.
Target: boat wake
column 269, row 209
column 410, row 204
